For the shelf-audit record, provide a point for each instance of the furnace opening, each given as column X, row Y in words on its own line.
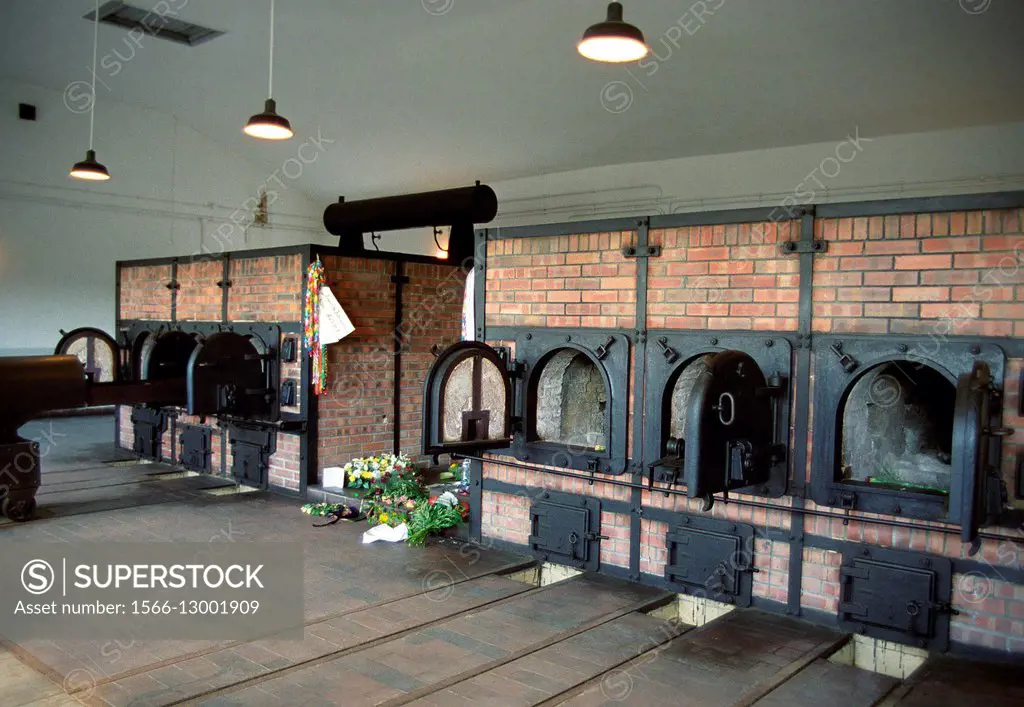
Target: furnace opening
column 572, row 401
column 896, row 428
column 473, row 404
column 98, row 355
column 681, row 387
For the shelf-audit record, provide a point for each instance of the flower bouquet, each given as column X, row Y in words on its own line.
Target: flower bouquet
column 435, row 515
column 364, row 472
column 393, row 495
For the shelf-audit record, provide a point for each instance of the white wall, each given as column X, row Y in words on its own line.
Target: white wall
column 172, row 191
column 851, row 168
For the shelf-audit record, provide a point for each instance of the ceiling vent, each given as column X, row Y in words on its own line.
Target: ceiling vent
column 163, row 25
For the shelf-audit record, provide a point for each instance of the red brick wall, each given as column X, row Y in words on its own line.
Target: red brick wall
column 942, row 274
column 285, row 469
column 356, row 411
column 168, row 443
column 125, row 428
column 216, row 445
column 432, row 316
column 562, row 281
column 266, row 288
column 724, row 277
column 938, row 274
column 144, row 293
column 357, row 408
column 199, row 297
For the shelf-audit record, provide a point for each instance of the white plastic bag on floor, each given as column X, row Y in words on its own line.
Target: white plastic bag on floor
column 398, row 534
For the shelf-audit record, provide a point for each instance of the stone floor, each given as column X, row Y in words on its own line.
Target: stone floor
column 448, row 624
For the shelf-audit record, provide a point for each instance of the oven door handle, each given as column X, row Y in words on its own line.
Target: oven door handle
column 720, row 408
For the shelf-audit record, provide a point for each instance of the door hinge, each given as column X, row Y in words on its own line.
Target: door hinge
column 602, row 351
column 848, row 362
column 670, row 354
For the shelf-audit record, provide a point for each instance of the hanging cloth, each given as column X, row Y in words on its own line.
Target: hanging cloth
column 311, row 331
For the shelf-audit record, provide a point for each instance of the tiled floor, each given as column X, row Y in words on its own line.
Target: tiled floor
column 441, row 625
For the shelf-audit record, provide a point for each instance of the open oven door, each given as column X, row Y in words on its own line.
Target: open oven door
column 975, row 489
column 100, row 354
column 468, row 401
column 226, row 376
column 728, row 427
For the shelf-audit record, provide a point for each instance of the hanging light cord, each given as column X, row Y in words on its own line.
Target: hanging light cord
column 95, row 44
column 270, row 87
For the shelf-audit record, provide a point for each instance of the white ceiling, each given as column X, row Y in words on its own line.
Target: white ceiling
column 493, row 89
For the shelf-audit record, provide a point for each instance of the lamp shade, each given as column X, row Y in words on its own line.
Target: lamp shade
column 268, row 125
column 614, row 40
column 89, row 169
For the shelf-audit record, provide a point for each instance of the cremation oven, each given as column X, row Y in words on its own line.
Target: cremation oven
column 717, row 410
column 561, row 400
column 909, row 427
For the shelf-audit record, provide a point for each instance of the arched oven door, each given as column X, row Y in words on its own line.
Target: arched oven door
column 100, row 354
column 467, row 401
column 976, row 490
column 728, row 427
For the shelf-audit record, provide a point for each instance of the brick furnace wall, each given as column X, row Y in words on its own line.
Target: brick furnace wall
column 935, row 274
column 144, row 292
column 356, row 411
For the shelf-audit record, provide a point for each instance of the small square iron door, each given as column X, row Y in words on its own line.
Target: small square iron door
column 562, row 530
column 196, row 448
column 248, row 465
column 149, row 425
column 896, row 596
column 711, row 557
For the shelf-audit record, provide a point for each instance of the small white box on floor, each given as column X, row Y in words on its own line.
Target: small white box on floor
column 333, row 477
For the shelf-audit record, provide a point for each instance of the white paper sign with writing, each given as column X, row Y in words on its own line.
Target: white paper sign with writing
column 334, row 323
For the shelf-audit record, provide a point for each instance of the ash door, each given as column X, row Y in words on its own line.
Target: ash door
column 975, row 492
column 728, row 426
column 467, row 401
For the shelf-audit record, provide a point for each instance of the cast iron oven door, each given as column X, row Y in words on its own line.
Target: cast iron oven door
column 975, row 493
column 251, row 449
column 712, row 558
column 694, row 383
column 196, row 448
column 149, row 425
column 98, row 351
column 728, row 430
column 896, row 596
column 467, row 401
column 564, row 528
column 576, row 396
column 227, row 376
column 909, row 426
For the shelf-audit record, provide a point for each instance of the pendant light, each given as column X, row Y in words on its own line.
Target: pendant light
column 613, row 40
column 89, row 169
column 268, row 125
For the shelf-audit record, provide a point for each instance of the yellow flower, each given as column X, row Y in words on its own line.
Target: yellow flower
column 367, row 475
column 383, row 518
